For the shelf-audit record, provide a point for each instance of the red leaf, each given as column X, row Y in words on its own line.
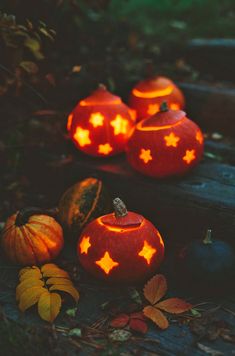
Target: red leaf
column 174, row 305
column 138, row 315
column 156, row 316
column 138, row 325
column 120, row 321
column 155, row 288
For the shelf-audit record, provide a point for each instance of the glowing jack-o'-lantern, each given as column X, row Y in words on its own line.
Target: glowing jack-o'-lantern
column 100, row 125
column 147, row 96
column 165, row 144
column 120, row 247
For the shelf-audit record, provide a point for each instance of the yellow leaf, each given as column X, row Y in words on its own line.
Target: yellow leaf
column 30, row 297
column 174, row 305
column 156, row 316
column 51, row 270
column 155, row 288
column 26, row 284
column 31, row 273
column 26, row 269
column 68, row 289
column 49, row 305
column 56, row 280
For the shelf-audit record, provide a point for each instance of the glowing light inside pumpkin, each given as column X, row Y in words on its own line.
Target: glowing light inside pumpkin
column 161, row 240
column 145, row 155
column 147, row 252
column 96, row 119
column 82, row 136
column 133, row 114
column 140, row 126
column 106, row 263
column 174, row 106
column 120, row 125
column 85, row 244
column 171, row 140
column 189, row 156
column 69, row 122
column 153, row 109
column 100, row 102
column 153, row 94
column 105, row 149
column 118, row 228
column 199, row 137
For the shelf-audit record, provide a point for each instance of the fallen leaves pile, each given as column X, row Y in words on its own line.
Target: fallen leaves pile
column 37, row 286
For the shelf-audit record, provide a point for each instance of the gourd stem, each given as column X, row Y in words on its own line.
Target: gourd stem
column 24, row 214
column 120, row 209
column 164, row 106
column 102, row 86
column 208, row 239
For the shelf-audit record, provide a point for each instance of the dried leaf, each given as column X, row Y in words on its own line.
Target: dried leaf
column 138, row 325
column 57, row 280
column 155, row 288
column 27, row 283
column 25, row 269
column 30, row 297
column 51, row 270
column 120, row 321
column 174, row 305
column 156, row 316
column 49, row 305
column 32, row 273
column 66, row 288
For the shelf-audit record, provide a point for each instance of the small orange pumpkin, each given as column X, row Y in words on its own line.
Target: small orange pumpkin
column 30, row 237
column 147, row 96
column 100, row 125
column 120, row 247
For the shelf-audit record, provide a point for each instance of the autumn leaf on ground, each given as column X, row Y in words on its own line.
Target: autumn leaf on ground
column 134, row 321
column 154, row 290
column 37, row 285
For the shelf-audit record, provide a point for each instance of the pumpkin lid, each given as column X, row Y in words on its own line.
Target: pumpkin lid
column 121, row 218
column 101, row 96
column 153, row 87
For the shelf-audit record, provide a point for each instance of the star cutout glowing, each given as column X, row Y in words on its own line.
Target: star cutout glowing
column 82, row 136
column 145, row 155
column 174, row 106
column 69, row 122
column 105, row 148
column 147, row 252
column 85, row 244
column 189, row 156
column 96, row 119
column 120, row 125
column 153, row 108
column 199, row 137
column 107, row 263
column 171, row 140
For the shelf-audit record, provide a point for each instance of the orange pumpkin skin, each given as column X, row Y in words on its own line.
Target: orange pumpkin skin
column 100, row 125
column 147, row 96
column 165, row 144
column 37, row 240
column 122, row 249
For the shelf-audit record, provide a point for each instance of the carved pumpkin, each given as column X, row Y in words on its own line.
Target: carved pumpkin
column 165, row 144
column 83, row 202
column 120, row 247
column 147, row 96
column 30, row 237
column 100, row 125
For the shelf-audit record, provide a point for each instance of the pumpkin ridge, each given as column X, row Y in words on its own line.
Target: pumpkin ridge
column 25, row 235
column 41, row 224
column 94, row 203
column 43, row 242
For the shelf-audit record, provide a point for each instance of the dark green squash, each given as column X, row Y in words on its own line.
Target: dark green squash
column 208, row 263
column 81, row 203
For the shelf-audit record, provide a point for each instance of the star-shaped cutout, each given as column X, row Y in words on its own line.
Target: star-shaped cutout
column 145, row 155
column 199, row 137
column 85, row 244
column 96, row 119
column 119, row 125
column 147, row 252
column 107, row 263
column 105, row 149
column 153, row 109
column 171, row 140
column 189, row 156
column 82, row 136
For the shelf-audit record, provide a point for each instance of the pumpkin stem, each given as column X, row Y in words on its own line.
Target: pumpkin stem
column 208, row 239
column 164, row 106
column 120, row 209
column 24, row 214
column 102, row 86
